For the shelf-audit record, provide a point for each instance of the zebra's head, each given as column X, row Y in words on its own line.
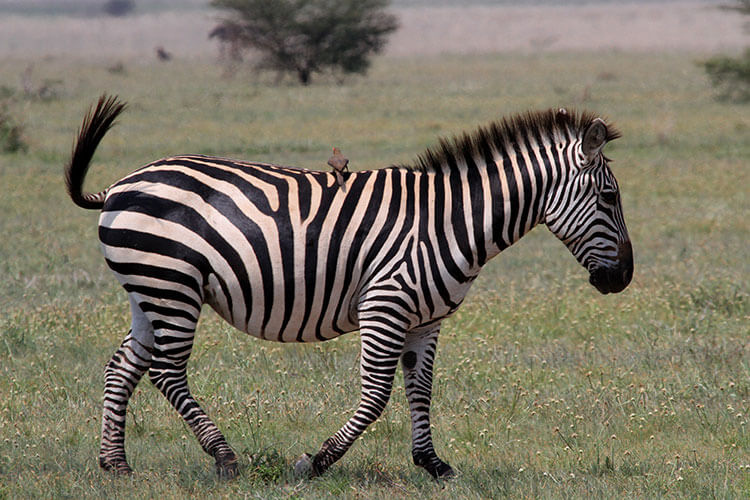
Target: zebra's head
column 585, row 213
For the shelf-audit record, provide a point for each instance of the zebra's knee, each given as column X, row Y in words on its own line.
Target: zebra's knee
column 371, row 407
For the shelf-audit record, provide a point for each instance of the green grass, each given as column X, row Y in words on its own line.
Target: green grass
column 543, row 387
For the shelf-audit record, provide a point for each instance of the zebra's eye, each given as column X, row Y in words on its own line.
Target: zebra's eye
column 609, row 197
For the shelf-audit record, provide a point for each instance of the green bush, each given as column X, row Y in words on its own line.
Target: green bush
column 731, row 76
column 11, row 131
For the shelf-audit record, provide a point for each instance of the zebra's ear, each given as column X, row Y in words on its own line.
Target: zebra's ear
column 594, row 138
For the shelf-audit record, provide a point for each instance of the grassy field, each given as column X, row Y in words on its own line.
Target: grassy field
column 544, row 388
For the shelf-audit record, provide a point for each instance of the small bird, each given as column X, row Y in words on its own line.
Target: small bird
column 162, row 54
column 340, row 164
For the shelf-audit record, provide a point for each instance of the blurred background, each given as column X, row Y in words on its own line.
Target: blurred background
column 32, row 29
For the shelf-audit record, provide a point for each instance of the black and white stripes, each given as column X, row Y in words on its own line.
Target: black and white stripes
column 288, row 255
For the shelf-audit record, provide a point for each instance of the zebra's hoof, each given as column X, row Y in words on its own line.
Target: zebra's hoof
column 118, row 467
column 303, row 467
column 441, row 471
column 227, row 468
column 436, row 467
column 444, row 471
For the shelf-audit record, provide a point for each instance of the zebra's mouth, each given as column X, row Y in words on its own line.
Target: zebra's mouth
column 611, row 279
column 614, row 278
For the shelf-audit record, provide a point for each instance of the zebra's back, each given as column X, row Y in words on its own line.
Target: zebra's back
column 281, row 253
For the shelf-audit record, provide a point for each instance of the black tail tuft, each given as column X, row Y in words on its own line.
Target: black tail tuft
column 96, row 123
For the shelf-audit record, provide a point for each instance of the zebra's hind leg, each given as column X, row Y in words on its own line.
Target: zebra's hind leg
column 417, row 362
column 378, row 363
column 173, row 343
column 121, row 375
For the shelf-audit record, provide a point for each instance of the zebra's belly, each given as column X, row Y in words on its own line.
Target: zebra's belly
column 282, row 311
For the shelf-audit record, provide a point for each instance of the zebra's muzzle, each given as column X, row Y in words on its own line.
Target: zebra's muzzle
column 614, row 278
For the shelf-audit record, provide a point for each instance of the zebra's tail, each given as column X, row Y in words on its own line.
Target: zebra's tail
column 96, row 123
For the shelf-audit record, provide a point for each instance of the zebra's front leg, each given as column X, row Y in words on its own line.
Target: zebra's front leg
column 380, row 353
column 168, row 373
column 417, row 362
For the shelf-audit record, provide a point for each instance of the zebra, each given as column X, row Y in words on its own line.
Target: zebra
column 286, row 255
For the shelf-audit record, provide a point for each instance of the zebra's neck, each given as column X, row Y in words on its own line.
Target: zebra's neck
column 482, row 201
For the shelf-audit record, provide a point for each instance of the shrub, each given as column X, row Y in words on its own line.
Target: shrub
column 731, row 76
column 309, row 36
column 11, row 131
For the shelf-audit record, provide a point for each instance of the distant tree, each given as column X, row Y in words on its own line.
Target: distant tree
column 309, row 36
column 119, row 7
column 731, row 75
column 742, row 6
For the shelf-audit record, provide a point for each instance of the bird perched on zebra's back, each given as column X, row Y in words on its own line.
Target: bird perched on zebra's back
column 340, row 164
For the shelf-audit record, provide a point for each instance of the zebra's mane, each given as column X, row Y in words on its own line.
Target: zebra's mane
column 500, row 135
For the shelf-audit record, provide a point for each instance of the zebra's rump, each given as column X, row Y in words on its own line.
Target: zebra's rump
column 280, row 253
